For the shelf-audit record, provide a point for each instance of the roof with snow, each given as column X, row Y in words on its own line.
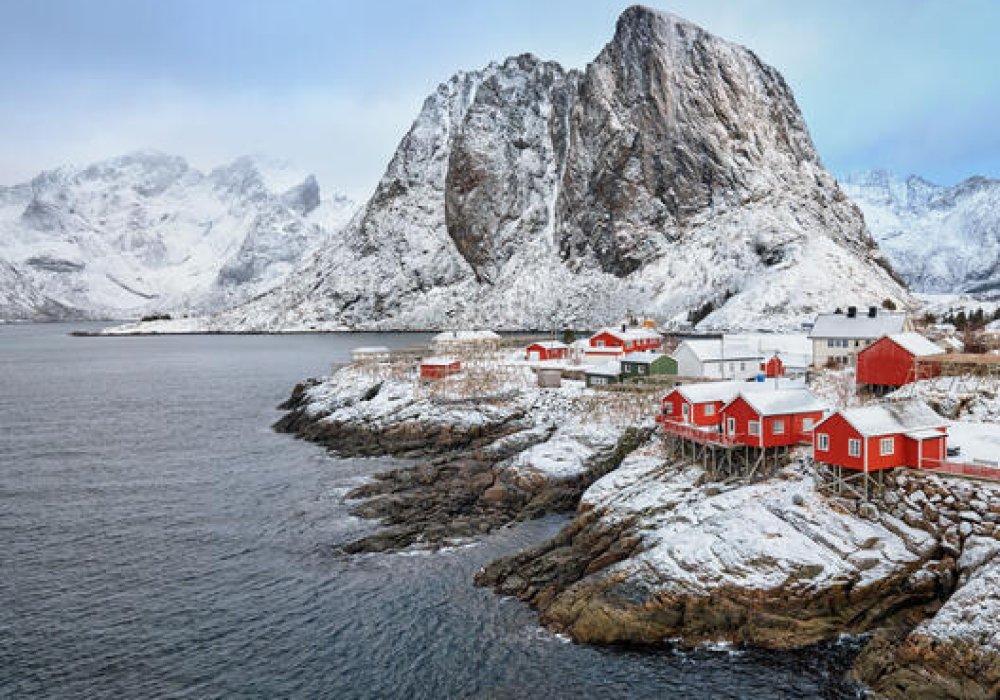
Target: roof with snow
column 779, row 402
column 909, row 416
column 915, row 344
column 439, row 360
column 612, row 368
column 862, row 325
column 645, row 358
column 705, row 392
column 715, row 350
column 632, row 333
column 465, row 336
column 549, row 344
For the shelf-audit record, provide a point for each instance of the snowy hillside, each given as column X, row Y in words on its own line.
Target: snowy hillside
column 675, row 173
column 940, row 239
column 146, row 232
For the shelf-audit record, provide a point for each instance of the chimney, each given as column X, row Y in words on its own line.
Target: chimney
column 872, row 311
column 624, row 328
column 839, row 311
column 852, row 311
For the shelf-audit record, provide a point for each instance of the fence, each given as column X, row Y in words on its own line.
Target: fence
column 976, row 471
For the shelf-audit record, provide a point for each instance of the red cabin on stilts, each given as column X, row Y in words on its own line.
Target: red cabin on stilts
column 772, row 418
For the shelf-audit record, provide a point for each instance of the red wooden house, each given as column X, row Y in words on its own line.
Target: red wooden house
column 890, row 360
column 547, row 350
column 698, row 404
column 773, row 367
column 772, row 417
column 884, row 436
column 439, row 367
column 610, row 342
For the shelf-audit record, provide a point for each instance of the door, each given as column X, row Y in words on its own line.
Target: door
column 731, row 427
column 686, row 412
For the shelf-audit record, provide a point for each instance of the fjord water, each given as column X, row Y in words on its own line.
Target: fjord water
column 157, row 539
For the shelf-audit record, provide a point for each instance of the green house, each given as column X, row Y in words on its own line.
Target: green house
column 604, row 374
column 643, row 364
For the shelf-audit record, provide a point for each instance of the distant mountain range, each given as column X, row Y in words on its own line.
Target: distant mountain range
column 674, row 176
column 147, row 233
column 940, row 239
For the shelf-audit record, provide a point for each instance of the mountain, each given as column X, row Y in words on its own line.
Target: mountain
column 940, row 239
column 147, row 232
column 674, row 175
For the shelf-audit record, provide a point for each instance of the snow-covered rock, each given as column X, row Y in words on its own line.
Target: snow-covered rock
column 940, row 239
column 148, row 233
column 675, row 173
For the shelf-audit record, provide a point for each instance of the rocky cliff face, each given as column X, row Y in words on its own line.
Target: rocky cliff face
column 674, row 171
column 147, row 232
column 940, row 239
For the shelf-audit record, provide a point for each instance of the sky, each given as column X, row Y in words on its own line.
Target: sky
column 908, row 85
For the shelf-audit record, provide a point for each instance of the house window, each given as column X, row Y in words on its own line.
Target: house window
column 599, row 380
column 829, row 343
column 854, row 447
column 598, row 343
column 710, row 409
column 807, row 424
column 731, row 426
column 754, row 427
column 886, row 446
column 823, row 442
column 778, row 427
column 743, row 366
column 668, row 409
column 686, row 410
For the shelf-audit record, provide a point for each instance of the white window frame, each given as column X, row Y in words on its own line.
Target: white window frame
column 854, row 447
column 886, row 446
column 598, row 343
column 778, row 427
column 710, row 409
column 753, row 428
column 807, row 425
column 686, row 412
column 823, row 442
column 731, row 426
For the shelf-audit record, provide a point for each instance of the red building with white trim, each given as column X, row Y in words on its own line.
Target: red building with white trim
column 613, row 343
column 439, row 367
column 547, row 350
column 698, row 404
column 885, row 436
column 772, row 417
column 890, row 360
column 773, row 367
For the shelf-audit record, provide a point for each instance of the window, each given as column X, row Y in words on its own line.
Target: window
column 686, row 410
column 743, row 366
column 823, row 442
column 886, row 446
column 778, row 427
column 754, row 427
column 829, row 343
column 854, row 447
column 731, row 426
column 668, row 409
column 598, row 343
column 807, row 425
column 598, row 380
column 710, row 409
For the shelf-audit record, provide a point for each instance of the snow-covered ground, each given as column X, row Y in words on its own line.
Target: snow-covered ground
column 979, row 442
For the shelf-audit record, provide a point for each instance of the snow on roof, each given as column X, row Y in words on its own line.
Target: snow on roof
column 646, row 357
column 439, row 360
column 612, row 368
column 465, row 336
column 710, row 391
column 549, row 344
column 953, row 343
column 896, row 417
column 779, row 402
column 915, row 344
column 632, row 333
column 714, row 349
column 862, row 325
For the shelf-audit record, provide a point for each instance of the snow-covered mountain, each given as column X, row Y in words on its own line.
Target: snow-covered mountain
column 940, row 239
column 674, row 173
column 147, row 232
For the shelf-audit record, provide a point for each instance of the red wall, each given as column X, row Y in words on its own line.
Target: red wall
column 611, row 341
column 698, row 410
column 773, row 367
column 439, row 371
column 743, row 412
column 904, row 452
column 545, row 353
column 884, row 363
column 840, row 431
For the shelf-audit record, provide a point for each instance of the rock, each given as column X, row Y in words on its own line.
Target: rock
column 970, row 516
column 798, row 500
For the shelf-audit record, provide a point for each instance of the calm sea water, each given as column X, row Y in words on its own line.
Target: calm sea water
column 157, row 539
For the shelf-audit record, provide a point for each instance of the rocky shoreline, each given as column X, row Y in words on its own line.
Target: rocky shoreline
column 658, row 552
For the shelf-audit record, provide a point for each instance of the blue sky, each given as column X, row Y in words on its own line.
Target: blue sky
column 911, row 85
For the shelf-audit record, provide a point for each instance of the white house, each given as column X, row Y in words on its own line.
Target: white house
column 840, row 335
column 718, row 358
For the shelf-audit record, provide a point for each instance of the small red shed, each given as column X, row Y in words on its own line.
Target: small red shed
column 773, row 367
column 772, row 417
column 439, row 367
column 546, row 350
column 889, row 361
column 698, row 404
column 897, row 434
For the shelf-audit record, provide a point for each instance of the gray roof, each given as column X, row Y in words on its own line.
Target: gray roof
column 861, row 326
column 893, row 417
